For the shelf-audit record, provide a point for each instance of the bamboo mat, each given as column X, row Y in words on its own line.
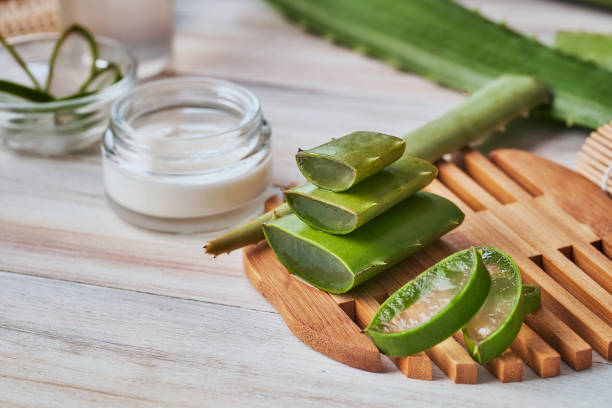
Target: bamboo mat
column 594, row 159
column 18, row 17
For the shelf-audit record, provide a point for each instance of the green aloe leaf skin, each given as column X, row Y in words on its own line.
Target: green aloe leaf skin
column 342, row 213
column 431, row 307
column 595, row 48
column 457, row 47
column 341, row 163
column 337, row 263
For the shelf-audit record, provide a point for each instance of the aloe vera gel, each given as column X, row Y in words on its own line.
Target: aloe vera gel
column 341, row 213
column 431, row 307
column 341, row 163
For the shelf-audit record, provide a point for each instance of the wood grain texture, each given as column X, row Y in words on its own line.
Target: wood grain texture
column 574, row 351
column 538, row 355
column 538, row 177
column 311, row 314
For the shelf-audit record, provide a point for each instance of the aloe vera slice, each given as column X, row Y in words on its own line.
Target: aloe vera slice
column 493, row 329
column 341, row 163
column 596, row 48
column 337, row 263
column 101, row 79
column 341, row 213
column 447, row 43
column 56, row 85
column 431, row 307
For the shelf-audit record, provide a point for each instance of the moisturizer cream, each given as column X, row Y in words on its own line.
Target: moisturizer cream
column 187, row 155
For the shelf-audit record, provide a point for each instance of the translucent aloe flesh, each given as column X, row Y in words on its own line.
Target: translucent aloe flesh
column 454, row 46
column 343, row 162
column 341, row 213
column 596, row 48
column 431, row 307
column 337, row 263
column 493, row 329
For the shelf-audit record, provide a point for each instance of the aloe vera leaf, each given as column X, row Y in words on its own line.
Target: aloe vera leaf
column 595, row 48
column 11, row 50
column 342, row 213
column 431, row 307
column 101, row 78
column 341, row 163
column 247, row 234
column 24, row 92
column 91, row 43
column 447, row 43
column 337, row 263
column 513, row 94
column 493, row 329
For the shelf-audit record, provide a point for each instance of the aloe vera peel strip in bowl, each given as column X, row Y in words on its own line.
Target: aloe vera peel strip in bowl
column 342, row 213
column 431, row 307
column 341, row 163
column 337, row 263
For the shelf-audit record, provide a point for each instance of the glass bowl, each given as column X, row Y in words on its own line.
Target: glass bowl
column 59, row 127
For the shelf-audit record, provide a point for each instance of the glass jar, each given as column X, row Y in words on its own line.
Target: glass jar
column 187, row 155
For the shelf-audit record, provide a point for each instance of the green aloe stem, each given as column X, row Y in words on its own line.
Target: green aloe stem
column 483, row 112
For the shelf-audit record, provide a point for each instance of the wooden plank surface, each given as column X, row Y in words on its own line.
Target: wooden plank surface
column 94, row 312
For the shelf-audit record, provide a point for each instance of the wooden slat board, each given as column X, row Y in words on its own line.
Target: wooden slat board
column 96, row 313
column 534, row 230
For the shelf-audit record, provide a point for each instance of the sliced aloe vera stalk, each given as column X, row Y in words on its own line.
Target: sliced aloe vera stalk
column 337, row 263
column 493, row 329
column 431, row 307
column 485, row 110
column 341, row 213
column 341, row 163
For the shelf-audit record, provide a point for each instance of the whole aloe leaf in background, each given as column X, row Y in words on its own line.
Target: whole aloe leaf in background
column 449, row 44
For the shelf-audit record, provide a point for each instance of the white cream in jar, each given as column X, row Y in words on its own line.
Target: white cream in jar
column 187, row 155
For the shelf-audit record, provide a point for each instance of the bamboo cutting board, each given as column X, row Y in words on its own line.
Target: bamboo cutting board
column 554, row 223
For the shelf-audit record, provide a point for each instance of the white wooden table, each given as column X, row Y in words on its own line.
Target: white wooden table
column 96, row 313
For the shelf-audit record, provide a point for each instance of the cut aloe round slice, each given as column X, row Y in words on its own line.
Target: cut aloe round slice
column 493, row 329
column 431, row 307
